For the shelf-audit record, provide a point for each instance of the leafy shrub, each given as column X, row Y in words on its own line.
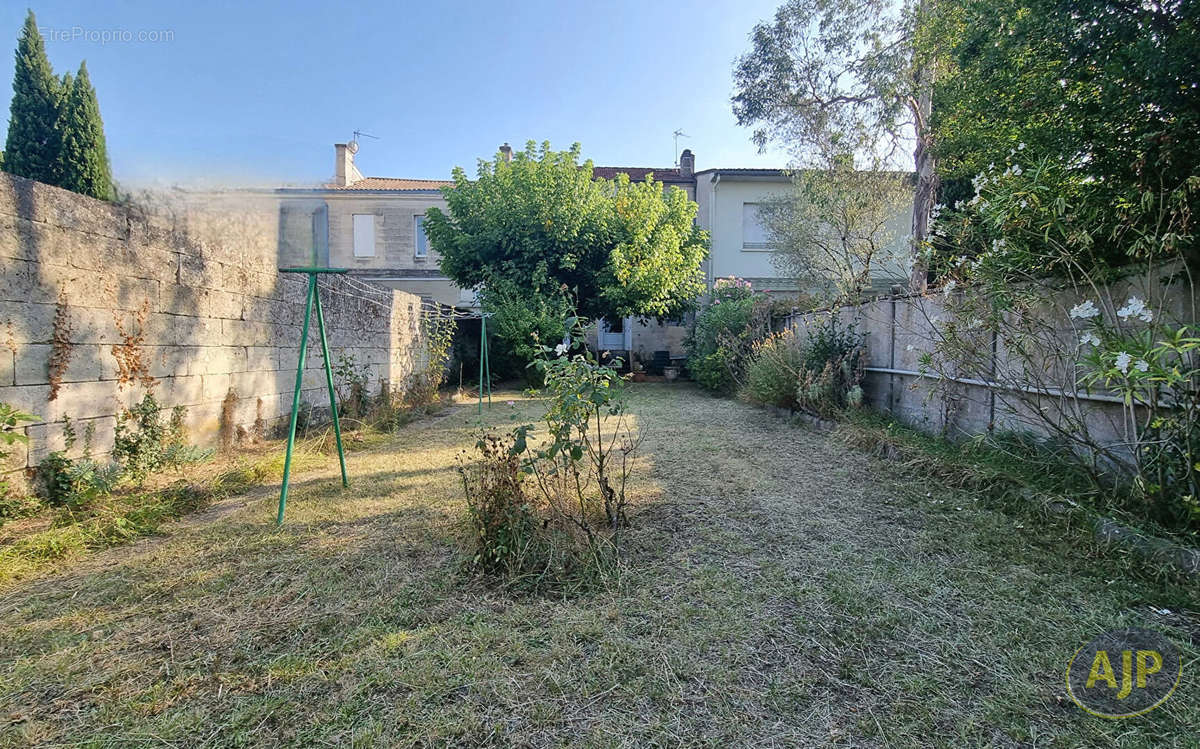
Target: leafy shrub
column 550, row 515
column 350, row 384
column 436, row 340
column 504, row 526
column 11, row 504
column 74, row 483
column 830, row 378
column 142, row 443
column 726, row 331
column 774, row 371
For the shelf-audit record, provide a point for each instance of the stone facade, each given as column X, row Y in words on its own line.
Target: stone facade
column 191, row 282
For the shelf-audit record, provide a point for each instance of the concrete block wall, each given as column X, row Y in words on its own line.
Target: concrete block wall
column 899, row 331
column 194, row 278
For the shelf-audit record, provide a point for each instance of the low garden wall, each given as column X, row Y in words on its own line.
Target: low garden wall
column 100, row 303
column 998, row 391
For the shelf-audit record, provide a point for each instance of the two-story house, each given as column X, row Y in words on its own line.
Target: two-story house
column 374, row 227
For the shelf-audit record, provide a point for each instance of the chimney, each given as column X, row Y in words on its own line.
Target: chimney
column 345, row 172
column 687, row 164
column 506, row 152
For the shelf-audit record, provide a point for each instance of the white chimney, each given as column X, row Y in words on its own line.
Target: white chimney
column 345, row 173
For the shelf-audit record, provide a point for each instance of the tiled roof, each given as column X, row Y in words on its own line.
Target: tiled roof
column 638, row 173
column 391, row 183
column 747, row 172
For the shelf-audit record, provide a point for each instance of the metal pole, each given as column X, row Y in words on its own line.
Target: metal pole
column 482, row 354
column 337, row 427
column 291, row 443
column 487, row 362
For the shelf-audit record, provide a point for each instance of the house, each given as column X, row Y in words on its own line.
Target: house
column 729, row 201
column 374, row 227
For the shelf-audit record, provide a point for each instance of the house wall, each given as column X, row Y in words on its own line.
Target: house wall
column 721, row 215
column 189, row 286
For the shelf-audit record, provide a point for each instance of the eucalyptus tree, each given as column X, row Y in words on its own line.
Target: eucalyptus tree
column 846, row 79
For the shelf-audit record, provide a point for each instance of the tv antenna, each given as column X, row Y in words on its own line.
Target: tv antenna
column 678, row 134
column 360, row 133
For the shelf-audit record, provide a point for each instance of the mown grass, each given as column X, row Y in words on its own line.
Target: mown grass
column 779, row 589
column 1014, row 470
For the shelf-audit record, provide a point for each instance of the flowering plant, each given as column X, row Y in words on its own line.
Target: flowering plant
column 1055, row 328
column 582, row 467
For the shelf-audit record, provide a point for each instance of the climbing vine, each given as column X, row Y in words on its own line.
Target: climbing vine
column 60, row 345
column 132, row 366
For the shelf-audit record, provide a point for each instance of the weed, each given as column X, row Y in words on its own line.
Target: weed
column 60, row 345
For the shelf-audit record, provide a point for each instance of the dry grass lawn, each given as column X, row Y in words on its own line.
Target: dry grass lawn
column 779, row 590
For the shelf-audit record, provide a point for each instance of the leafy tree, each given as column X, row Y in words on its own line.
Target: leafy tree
column 31, row 149
column 837, row 79
column 541, row 226
column 834, row 228
column 1104, row 90
column 83, row 156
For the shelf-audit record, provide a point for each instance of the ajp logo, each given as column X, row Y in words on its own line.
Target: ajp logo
column 1124, row 673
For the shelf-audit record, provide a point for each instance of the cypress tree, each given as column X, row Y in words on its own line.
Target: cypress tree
column 83, row 156
column 31, row 149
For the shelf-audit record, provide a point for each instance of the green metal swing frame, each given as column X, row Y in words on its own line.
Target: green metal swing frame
column 312, row 300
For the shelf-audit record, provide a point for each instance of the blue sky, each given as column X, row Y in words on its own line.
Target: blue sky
column 258, row 92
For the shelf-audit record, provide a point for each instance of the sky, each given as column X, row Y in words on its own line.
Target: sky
column 258, row 93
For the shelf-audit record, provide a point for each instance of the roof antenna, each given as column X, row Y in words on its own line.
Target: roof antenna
column 360, row 133
column 678, row 134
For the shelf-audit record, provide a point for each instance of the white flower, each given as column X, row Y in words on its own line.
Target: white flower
column 1085, row 310
column 909, row 347
column 1123, row 360
column 1141, row 365
column 1024, row 203
column 1135, row 308
column 560, row 349
column 1021, row 146
column 949, row 287
column 1016, row 170
column 1091, row 338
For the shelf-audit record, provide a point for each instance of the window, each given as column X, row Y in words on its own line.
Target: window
column 420, row 242
column 364, row 235
column 754, row 234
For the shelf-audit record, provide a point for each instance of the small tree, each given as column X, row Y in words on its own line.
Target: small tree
column 82, row 164
column 833, row 229
column 31, row 149
column 542, row 226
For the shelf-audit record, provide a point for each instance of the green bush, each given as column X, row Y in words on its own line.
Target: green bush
column 74, row 483
column 142, row 443
column 774, row 370
column 830, row 378
column 722, row 342
column 11, row 503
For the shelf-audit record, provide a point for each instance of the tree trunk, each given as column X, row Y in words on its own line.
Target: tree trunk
column 927, row 179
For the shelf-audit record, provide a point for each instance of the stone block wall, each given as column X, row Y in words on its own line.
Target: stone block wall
column 186, row 287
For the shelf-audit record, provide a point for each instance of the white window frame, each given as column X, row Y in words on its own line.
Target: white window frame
column 420, row 238
column 763, row 246
column 363, row 235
